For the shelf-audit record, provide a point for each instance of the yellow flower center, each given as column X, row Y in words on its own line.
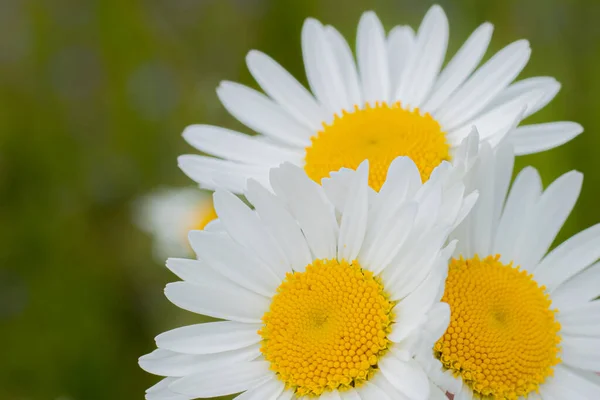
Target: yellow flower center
column 379, row 134
column 327, row 327
column 202, row 216
column 503, row 338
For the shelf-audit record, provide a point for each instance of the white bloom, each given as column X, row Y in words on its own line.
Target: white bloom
column 395, row 100
column 324, row 290
column 169, row 214
column 525, row 322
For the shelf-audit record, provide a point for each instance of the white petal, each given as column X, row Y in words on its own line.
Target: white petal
column 430, row 197
column 412, row 309
column 548, row 85
column 400, row 43
column 484, row 85
column 410, row 268
column 547, row 218
column 452, row 204
column 578, row 290
column 168, row 363
column 286, row 395
column 263, row 115
column 322, row 72
column 425, row 60
column 581, row 352
column 308, row 204
column 531, row 139
column 347, row 66
column 569, row 258
column 435, row 393
column 578, row 385
column 333, row 395
column 371, row 54
column 407, row 377
column 223, row 381
column 369, row 391
column 211, row 173
column 384, row 241
column 402, row 181
column 281, row 225
column 480, row 220
column 285, row 90
column 218, row 300
column 466, row 153
column 582, row 321
column 269, row 390
column 504, row 163
column 438, row 319
column 233, row 261
column 195, row 271
column 354, row 217
column 351, row 394
column 523, row 195
column 244, row 226
column 209, row 338
column 550, row 390
column 161, row 391
column 214, row 226
column 338, row 185
column 465, row 393
column 382, row 383
column 460, row 67
column 495, row 124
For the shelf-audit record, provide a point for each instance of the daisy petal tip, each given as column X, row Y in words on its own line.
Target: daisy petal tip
column 194, row 235
column 253, row 56
column 312, row 24
column 225, row 86
column 369, row 17
column 488, row 27
column 472, row 137
column 363, row 167
column 452, row 245
column 252, row 185
column 436, row 11
column 576, row 128
column 184, row 160
column 169, row 289
column 169, row 262
column 436, row 8
column 577, row 177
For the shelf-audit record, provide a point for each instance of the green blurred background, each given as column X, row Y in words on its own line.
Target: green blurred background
column 94, row 96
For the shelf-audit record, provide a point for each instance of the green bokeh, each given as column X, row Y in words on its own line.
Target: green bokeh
column 94, row 96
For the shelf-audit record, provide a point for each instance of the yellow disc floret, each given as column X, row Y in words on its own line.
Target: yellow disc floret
column 379, row 134
column 326, row 328
column 503, row 339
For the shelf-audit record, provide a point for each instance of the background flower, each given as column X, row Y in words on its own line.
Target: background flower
column 169, row 214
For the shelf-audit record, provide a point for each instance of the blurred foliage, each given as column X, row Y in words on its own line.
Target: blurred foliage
column 94, row 96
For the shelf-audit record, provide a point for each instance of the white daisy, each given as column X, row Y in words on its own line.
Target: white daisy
column 525, row 323
column 168, row 214
column 324, row 291
column 393, row 101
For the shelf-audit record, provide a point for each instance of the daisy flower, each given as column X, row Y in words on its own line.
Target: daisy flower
column 169, row 214
column 323, row 291
column 524, row 321
column 395, row 100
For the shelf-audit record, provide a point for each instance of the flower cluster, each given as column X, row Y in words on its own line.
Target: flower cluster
column 367, row 242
